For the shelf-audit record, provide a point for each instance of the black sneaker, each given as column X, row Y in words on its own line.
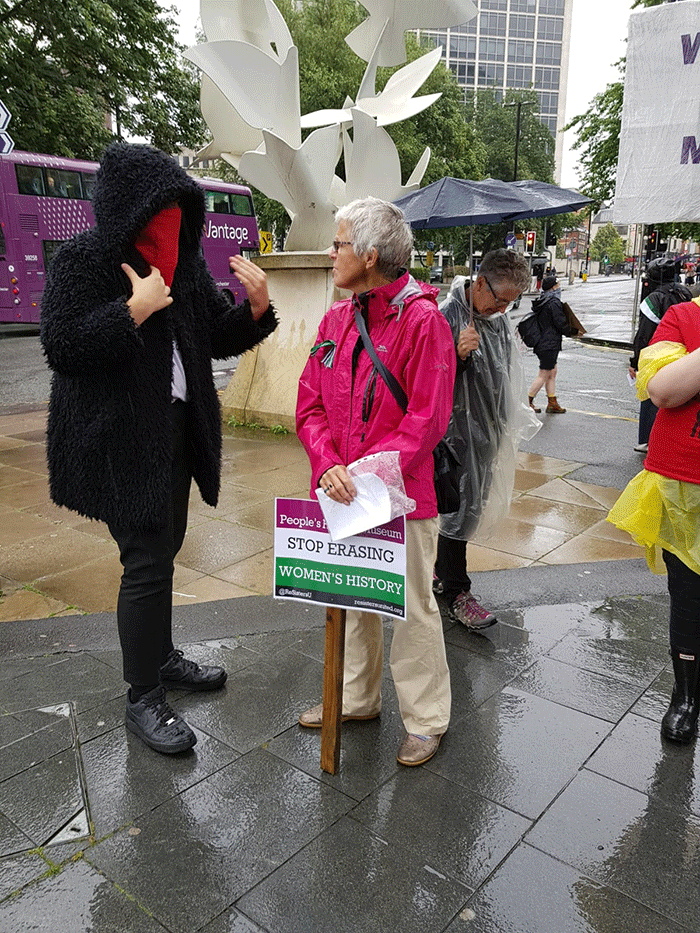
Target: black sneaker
column 182, row 674
column 153, row 721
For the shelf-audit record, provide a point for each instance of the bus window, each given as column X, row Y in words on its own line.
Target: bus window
column 30, row 179
column 88, row 179
column 242, row 205
column 63, row 184
column 217, row 202
column 50, row 247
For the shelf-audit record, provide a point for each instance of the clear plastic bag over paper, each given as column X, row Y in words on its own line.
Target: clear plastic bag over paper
column 381, row 496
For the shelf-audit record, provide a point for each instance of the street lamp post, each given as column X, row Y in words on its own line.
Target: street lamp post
column 518, row 104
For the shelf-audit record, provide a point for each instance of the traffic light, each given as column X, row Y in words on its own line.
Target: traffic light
column 530, row 241
column 651, row 239
column 552, row 239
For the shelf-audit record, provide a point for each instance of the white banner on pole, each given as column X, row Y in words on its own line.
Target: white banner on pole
column 658, row 171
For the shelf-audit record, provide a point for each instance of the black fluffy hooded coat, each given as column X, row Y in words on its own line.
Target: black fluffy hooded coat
column 109, row 443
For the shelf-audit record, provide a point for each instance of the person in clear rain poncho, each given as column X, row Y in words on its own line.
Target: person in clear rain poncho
column 489, row 418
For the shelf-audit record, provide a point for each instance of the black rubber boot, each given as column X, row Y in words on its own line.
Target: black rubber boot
column 679, row 723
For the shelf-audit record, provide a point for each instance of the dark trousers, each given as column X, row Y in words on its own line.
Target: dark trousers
column 144, row 607
column 684, row 590
column 451, row 567
column 647, row 416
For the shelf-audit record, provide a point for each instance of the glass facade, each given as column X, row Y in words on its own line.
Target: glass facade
column 509, row 44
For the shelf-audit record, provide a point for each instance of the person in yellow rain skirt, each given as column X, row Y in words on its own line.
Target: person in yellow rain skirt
column 660, row 507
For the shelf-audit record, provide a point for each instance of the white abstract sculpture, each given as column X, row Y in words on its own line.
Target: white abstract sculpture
column 250, row 101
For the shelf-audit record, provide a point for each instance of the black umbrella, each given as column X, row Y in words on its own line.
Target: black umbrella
column 461, row 202
column 545, row 199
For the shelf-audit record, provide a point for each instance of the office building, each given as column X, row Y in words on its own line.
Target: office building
column 514, row 44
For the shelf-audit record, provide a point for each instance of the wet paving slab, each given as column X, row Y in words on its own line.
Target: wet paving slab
column 627, row 840
column 361, row 883
column 219, row 839
column 534, row 893
column 552, row 804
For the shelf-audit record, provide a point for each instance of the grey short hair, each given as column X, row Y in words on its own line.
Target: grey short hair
column 382, row 225
column 506, row 267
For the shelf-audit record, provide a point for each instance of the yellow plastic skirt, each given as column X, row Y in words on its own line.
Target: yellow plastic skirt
column 661, row 513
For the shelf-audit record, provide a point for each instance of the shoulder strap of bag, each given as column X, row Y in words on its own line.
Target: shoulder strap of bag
column 388, row 377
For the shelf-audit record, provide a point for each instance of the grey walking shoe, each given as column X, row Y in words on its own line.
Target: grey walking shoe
column 313, row 718
column 417, row 749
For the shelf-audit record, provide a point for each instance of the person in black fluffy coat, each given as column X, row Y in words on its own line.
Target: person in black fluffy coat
column 131, row 319
column 553, row 325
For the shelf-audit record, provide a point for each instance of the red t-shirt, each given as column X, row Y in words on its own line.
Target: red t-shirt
column 674, row 444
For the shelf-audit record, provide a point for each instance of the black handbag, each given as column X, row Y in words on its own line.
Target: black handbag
column 447, row 471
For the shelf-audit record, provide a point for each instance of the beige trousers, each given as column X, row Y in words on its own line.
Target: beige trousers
column 418, row 662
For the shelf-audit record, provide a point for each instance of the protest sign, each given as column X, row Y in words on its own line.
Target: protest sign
column 365, row 572
column 658, row 169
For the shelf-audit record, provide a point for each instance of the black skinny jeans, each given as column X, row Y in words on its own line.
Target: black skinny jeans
column 684, row 590
column 451, row 567
column 144, row 607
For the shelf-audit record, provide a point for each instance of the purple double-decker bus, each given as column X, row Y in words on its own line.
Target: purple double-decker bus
column 45, row 200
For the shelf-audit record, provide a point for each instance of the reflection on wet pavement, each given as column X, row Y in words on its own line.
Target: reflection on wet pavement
column 54, row 562
column 552, row 780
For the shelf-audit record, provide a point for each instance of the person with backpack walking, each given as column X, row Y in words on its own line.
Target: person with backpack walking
column 553, row 324
column 663, row 292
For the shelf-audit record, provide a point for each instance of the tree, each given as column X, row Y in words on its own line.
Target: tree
column 67, row 67
column 598, row 139
column 607, row 242
column 494, row 121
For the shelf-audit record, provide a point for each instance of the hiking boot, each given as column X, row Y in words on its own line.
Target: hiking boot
column 532, row 404
column 182, row 674
column 469, row 611
column 156, row 724
column 417, row 749
column 438, row 585
column 313, row 718
column 553, row 406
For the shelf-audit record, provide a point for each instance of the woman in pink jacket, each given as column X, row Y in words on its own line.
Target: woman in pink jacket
column 345, row 411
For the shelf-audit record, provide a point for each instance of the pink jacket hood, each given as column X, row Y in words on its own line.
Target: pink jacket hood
column 344, row 414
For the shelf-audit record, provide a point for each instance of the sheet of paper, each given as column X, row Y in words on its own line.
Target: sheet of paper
column 370, row 507
column 631, row 379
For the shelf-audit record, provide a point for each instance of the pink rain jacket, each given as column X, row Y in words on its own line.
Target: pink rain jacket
column 341, row 417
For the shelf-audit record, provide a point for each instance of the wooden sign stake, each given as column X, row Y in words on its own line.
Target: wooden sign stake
column 333, row 689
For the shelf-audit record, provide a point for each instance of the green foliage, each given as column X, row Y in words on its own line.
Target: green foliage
column 65, row 67
column 420, row 273
column 607, row 242
column 598, row 139
column 495, row 123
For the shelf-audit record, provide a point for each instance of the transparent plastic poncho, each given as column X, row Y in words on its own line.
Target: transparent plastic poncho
column 490, row 417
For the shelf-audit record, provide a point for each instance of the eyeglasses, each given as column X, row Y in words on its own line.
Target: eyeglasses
column 500, row 302
column 336, row 244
